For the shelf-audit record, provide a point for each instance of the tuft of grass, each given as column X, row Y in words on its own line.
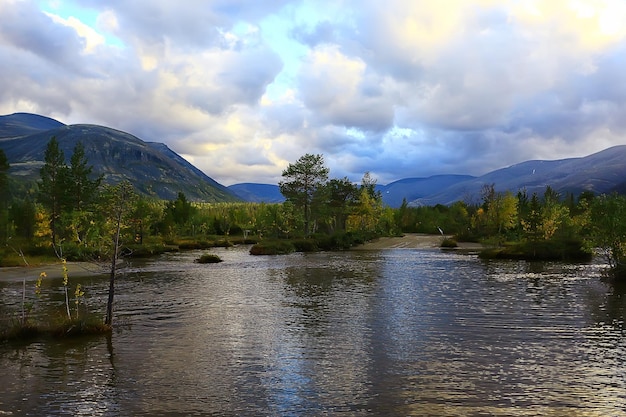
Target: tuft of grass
column 90, row 325
column 20, row 331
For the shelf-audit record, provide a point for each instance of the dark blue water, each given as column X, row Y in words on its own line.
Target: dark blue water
column 397, row 332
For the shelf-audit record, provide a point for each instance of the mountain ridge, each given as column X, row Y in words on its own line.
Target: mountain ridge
column 156, row 170
column 153, row 168
column 600, row 172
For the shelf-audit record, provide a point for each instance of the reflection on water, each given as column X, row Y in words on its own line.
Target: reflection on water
column 398, row 332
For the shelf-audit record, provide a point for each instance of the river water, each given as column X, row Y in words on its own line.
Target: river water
column 383, row 333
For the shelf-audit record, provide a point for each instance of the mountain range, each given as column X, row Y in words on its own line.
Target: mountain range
column 158, row 171
column 602, row 172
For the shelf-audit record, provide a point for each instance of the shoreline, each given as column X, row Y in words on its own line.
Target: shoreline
column 414, row 241
column 53, row 271
column 84, row 269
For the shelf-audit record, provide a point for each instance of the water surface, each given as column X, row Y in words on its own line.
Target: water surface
column 394, row 332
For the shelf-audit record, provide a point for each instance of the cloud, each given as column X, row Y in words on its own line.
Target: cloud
column 400, row 89
column 339, row 91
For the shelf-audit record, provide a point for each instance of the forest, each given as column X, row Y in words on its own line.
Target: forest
column 70, row 214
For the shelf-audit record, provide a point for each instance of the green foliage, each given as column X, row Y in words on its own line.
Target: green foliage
column 608, row 231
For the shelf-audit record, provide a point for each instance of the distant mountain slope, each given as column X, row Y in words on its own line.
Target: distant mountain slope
column 393, row 193
column 414, row 188
column 22, row 124
column 153, row 169
column 257, row 193
column 601, row 172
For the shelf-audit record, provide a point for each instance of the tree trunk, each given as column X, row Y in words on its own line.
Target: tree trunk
column 116, row 243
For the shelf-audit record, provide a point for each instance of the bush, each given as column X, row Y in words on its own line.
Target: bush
column 147, row 250
column 449, row 243
column 546, row 250
column 208, row 258
column 305, row 245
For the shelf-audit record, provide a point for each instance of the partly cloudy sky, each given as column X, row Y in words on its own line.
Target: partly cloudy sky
column 399, row 88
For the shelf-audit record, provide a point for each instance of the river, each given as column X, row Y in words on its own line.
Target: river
column 398, row 332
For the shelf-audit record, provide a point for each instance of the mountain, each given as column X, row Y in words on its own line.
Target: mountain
column 158, row 171
column 414, row 188
column 602, row 172
column 22, row 124
column 153, row 168
column 257, row 193
column 393, row 193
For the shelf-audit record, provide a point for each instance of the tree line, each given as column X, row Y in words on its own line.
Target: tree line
column 73, row 213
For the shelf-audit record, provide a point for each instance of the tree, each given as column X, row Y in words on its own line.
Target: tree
column 499, row 211
column 4, row 195
column 369, row 184
column 608, row 234
column 120, row 200
column 341, row 196
column 4, row 177
column 301, row 181
column 52, row 186
column 178, row 212
column 531, row 223
column 81, row 188
column 22, row 214
column 79, row 196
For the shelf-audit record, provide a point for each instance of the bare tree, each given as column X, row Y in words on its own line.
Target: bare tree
column 120, row 198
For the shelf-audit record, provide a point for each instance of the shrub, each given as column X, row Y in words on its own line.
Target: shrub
column 208, row 258
column 449, row 243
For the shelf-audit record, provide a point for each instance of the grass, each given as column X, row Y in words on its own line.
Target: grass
column 59, row 328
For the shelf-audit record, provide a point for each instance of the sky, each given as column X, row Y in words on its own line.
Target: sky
column 396, row 88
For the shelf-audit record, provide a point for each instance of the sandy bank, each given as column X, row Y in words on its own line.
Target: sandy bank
column 412, row 241
column 31, row 273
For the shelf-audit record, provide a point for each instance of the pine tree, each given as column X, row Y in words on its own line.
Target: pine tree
column 302, row 180
column 52, row 186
